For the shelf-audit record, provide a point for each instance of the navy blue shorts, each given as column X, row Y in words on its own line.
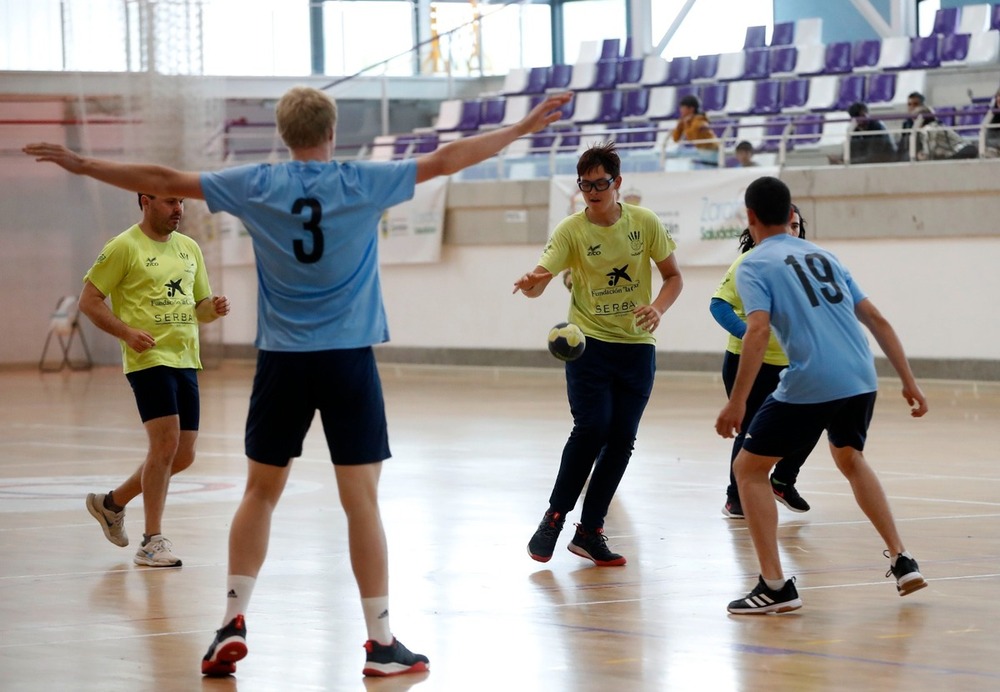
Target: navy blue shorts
column 780, row 429
column 343, row 385
column 163, row 391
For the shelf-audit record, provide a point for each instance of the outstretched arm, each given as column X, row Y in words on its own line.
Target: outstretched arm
column 534, row 282
column 463, row 153
column 892, row 347
column 136, row 177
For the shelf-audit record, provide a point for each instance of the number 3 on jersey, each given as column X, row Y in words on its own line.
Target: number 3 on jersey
column 312, row 225
column 819, row 267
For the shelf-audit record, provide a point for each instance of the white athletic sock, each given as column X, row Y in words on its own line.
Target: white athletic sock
column 776, row 584
column 377, row 619
column 238, row 591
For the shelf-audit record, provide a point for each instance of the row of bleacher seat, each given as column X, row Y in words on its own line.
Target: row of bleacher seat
column 842, row 57
column 885, row 90
column 636, row 98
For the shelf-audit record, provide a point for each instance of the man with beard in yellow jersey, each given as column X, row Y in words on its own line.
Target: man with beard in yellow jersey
column 158, row 285
column 611, row 248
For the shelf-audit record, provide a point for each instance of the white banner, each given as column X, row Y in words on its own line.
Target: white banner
column 412, row 232
column 703, row 210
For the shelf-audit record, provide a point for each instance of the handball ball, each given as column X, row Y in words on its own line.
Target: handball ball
column 566, row 341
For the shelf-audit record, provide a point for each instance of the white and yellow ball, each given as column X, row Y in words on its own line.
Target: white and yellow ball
column 566, row 341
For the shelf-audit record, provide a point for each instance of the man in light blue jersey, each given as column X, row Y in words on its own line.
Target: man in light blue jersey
column 314, row 225
column 816, row 310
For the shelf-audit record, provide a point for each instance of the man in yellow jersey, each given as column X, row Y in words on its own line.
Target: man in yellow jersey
column 159, row 291
column 611, row 249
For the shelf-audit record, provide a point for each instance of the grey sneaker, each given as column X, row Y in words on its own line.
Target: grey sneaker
column 113, row 523
column 156, row 553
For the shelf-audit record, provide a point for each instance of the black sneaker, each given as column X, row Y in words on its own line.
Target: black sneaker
column 763, row 600
column 392, row 659
column 593, row 545
column 230, row 646
column 542, row 544
column 906, row 572
column 733, row 509
column 786, row 494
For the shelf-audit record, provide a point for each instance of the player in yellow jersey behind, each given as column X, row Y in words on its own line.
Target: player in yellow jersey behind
column 158, row 285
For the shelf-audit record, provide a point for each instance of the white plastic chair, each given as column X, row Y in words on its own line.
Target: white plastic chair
column 973, row 19
column 984, row 48
column 730, row 66
column 654, row 70
column 808, row 31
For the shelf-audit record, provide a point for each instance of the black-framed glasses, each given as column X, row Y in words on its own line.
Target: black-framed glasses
column 599, row 185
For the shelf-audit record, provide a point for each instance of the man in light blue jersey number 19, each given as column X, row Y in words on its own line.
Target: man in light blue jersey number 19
column 816, row 310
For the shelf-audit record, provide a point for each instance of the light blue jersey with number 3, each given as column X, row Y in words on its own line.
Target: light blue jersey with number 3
column 314, row 228
column 810, row 297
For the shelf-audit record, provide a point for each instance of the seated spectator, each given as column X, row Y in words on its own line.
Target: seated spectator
column 936, row 141
column 993, row 133
column 744, row 154
column 914, row 102
column 869, row 148
column 693, row 127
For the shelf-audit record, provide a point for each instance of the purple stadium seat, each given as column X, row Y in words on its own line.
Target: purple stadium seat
column 839, row 57
column 925, row 52
column 470, row 116
column 704, row 67
column 638, row 135
column 954, row 48
column 725, row 128
column 795, row 93
column 598, row 106
column 783, row 34
column 559, row 77
column 606, row 75
column 808, row 129
column 610, row 49
column 783, row 59
column 766, row 97
column 686, row 90
column 713, row 97
column 945, row 20
column 774, row 128
column 995, row 16
column 630, row 71
column 756, row 63
column 852, row 88
column 946, row 115
column 881, row 88
column 679, row 71
column 426, row 143
column 968, row 119
column 755, row 37
column 635, row 103
column 866, row 53
column 492, row 112
column 538, row 78
column 404, row 146
column 627, row 52
column 612, row 103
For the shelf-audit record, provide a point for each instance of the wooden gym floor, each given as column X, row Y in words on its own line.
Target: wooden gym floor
column 476, row 451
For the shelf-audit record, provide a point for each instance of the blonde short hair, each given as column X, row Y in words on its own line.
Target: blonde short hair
column 305, row 117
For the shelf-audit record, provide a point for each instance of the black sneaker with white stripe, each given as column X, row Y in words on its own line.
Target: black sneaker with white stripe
column 763, row 600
